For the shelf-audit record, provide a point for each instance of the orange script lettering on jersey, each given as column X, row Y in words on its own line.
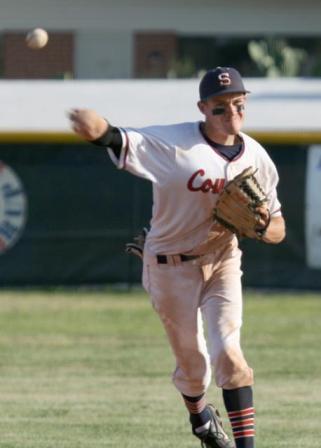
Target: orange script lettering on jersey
column 205, row 185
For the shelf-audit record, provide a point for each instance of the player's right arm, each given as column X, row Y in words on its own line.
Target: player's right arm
column 142, row 152
column 92, row 127
column 88, row 124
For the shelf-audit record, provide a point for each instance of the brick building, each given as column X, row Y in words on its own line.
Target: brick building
column 147, row 38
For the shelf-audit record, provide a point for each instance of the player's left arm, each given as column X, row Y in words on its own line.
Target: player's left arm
column 272, row 220
column 275, row 232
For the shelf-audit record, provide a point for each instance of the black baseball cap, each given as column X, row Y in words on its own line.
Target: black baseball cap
column 219, row 81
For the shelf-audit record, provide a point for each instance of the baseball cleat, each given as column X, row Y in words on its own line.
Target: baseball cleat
column 215, row 436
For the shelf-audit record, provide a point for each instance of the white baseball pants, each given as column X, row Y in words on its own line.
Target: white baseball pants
column 185, row 294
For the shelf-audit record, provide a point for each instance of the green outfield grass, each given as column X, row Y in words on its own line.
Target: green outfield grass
column 88, row 369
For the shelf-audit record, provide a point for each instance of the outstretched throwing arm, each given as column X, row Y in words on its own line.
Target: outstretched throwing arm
column 88, row 124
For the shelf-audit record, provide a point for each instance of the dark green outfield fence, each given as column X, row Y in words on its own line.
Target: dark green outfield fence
column 82, row 211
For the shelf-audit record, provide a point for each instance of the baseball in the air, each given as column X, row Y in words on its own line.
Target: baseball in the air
column 37, row 38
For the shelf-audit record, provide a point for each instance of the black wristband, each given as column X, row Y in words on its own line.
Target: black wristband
column 111, row 138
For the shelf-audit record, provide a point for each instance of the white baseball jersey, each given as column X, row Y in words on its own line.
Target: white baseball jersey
column 187, row 175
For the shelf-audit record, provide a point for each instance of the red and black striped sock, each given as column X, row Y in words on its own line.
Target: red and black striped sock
column 239, row 406
column 199, row 414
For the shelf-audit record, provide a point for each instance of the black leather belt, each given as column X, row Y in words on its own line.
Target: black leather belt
column 163, row 259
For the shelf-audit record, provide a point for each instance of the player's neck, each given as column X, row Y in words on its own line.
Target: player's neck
column 218, row 137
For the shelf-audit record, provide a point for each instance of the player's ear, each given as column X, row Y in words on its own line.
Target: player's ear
column 201, row 106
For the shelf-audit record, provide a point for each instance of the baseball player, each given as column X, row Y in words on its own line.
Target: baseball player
column 191, row 265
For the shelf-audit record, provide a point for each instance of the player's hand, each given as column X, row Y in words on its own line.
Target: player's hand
column 87, row 123
column 264, row 217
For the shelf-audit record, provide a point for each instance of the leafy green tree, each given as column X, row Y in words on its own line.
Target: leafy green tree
column 275, row 57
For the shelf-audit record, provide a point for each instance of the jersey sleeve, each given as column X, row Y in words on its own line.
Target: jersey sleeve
column 145, row 153
column 269, row 179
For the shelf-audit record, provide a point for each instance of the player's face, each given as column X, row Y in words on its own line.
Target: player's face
column 224, row 114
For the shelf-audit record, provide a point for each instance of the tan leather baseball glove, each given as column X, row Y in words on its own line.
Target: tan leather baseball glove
column 242, row 206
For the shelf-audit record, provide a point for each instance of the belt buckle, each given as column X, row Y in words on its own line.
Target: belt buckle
column 174, row 260
column 171, row 260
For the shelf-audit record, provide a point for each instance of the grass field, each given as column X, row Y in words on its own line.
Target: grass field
column 88, row 369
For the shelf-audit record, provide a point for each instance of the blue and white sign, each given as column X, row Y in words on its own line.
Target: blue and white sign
column 13, row 207
column 313, row 208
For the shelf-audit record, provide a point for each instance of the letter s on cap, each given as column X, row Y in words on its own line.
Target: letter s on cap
column 224, row 79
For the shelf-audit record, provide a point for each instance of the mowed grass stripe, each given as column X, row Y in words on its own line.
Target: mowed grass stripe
column 92, row 369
